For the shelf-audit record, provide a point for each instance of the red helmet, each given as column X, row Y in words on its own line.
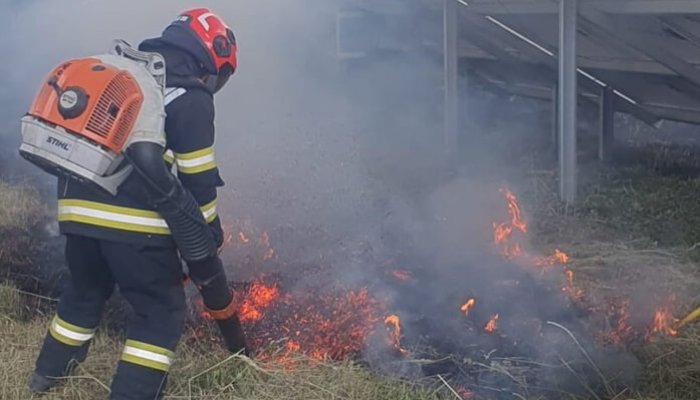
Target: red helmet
column 214, row 44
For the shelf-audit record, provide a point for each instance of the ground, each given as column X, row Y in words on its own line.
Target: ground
column 634, row 226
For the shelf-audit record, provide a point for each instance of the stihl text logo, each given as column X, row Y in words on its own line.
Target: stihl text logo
column 58, row 143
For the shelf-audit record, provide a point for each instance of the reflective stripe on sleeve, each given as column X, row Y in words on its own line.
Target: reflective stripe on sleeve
column 196, row 161
column 209, row 211
column 169, row 156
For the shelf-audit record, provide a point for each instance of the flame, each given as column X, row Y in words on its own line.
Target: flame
column 569, row 288
column 293, row 346
column 516, row 219
column 622, row 331
column 559, row 257
column 401, row 275
column 492, row 324
column 259, row 296
column 468, row 305
column 318, row 322
column 243, row 238
column 228, row 236
column 265, row 244
column 512, row 251
column 663, row 321
column 502, row 232
column 199, row 306
column 465, row 393
column 393, row 324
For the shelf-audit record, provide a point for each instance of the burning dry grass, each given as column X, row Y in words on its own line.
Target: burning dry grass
column 201, row 371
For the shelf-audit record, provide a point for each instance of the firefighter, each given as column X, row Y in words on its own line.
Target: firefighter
column 122, row 241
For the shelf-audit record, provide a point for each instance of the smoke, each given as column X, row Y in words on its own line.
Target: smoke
column 340, row 162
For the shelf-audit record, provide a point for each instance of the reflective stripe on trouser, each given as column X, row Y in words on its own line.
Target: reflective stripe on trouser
column 147, row 355
column 120, row 218
column 69, row 334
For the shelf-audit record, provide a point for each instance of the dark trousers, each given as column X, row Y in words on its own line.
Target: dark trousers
column 150, row 279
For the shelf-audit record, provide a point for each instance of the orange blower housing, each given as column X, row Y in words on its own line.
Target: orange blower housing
column 89, row 111
column 88, row 98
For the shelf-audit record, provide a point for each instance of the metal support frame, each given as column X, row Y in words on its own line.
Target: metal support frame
column 555, row 116
column 451, row 65
column 608, row 28
column 632, row 7
column 491, row 39
column 607, row 124
column 567, row 107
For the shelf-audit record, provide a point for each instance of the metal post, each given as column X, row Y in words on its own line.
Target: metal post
column 567, row 99
column 555, row 117
column 607, row 124
column 451, row 134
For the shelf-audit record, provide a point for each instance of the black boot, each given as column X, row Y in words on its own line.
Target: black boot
column 52, row 364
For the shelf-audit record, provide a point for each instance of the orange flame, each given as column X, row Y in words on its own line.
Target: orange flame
column 514, row 211
column 293, row 346
column 260, row 295
column 559, row 257
column 468, row 305
column 502, row 231
column 492, row 324
column 465, row 393
column 569, row 288
column 265, row 243
column 393, row 323
column 243, row 238
column 228, row 236
column 622, row 330
column 663, row 323
column 401, row 275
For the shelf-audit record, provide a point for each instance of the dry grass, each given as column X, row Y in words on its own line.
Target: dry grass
column 200, row 372
column 20, row 207
column 21, row 210
column 634, row 234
